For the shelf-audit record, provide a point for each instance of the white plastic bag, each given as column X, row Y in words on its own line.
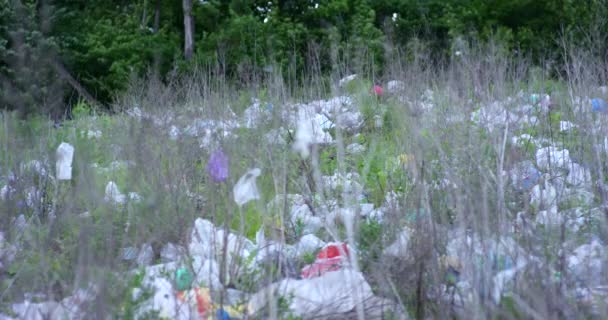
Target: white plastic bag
column 245, row 189
column 333, row 293
column 65, row 155
column 113, row 194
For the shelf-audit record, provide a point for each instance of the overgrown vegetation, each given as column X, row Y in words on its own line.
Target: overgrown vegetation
column 100, row 45
column 432, row 161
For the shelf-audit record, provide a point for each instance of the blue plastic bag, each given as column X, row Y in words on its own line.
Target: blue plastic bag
column 599, row 105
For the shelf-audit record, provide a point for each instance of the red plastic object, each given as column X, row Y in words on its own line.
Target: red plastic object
column 333, row 250
column 331, row 258
column 378, row 90
column 200, row 297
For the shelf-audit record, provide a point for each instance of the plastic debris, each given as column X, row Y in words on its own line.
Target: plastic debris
column 218, row 166
column 587, row 261
column 328, row 295
column 310, row 131
column 65, row 155
column 255, row 114
column 183, row 279
column 164, row 301
column 347, row 79
column 207, row 272
column 174, row 132
column 400, row 247
column 347, row 183
column 113, row 194
column 20, row 223
column 308, row 244
column 40, row 311
column 552, row 157
column 565, row 126
column 171, row 252
column 452, row 267
column 525, row 176
column 94, row 134
column 208, row 242
column 304, row 220
column 378, row 91
column 378, row 121
column 190, row 303
column 246, row 189
column 395, row 86
column 355, row 148
column 331, row 258
column 599, row 105
column 129, row 253
column 145, row 256
column 578, row 176
column 543, row 100
column 543, row 197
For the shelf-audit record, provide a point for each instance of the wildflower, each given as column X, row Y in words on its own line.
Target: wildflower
column 217, row 167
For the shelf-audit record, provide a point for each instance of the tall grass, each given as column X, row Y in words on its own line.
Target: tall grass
column 452, row 182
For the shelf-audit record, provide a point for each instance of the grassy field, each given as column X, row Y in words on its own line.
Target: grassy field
column 452, row 188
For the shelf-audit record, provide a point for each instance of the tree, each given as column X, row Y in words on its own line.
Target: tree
column 28, row 78
column 188, row 29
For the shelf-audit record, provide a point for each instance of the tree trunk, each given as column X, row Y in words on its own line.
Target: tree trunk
column 155, row 29
column 157, row 17
column 144, row 15
column 188, row 29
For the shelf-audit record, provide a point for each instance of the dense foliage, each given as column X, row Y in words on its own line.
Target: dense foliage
column 103, row 43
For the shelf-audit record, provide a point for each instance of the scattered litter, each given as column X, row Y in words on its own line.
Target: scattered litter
column 332, row 257
column 304, row 220
column 551, row 157
column 378, row 91
column 524, row 176
column 310, row 131
column 174, row 132
column 347, row 79
column 543, row 197
column 113, row 195
column 355, row 148
column 129, row 253
column 578, row 176
column 246, row 189
column 183, row 279
column 587, row 261
column 328, row 295
column 308, row 244
column 93, row 134
column 395, row 86
column 566, row 126
column 255, row 114
column 400, row 247
column 208, row 242
column 65, row 155
column 599, row 105
column 171, row 252
column 145, row 256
